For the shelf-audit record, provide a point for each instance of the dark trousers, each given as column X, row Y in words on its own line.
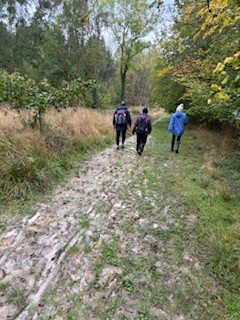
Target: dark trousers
column 141, row 141
column 120, row 133
column 177, row 142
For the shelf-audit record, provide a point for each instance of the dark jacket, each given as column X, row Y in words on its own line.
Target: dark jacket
column 177, row 123
column 122, row 126
column 145, row 117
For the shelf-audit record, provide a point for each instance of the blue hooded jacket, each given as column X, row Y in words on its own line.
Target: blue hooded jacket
column 177, row 123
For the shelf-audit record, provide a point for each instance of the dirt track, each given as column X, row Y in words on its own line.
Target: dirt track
column 79, row 255
column 34, row 251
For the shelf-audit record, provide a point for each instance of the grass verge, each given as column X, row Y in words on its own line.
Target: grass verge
column 204, row 181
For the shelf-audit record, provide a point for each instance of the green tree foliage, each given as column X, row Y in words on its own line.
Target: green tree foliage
column 22, row 92
column 130, row 22
column 202, row 38
column 48, row 40
column 226, row 89
column 5, row 48
column 139, row 83
column 166, row 91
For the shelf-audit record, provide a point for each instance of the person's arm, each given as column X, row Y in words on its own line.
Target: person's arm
column 114, row 118
column 129, row 119
column 149, row 126
column 136, row 124
column 171, row 124
column 186, row 120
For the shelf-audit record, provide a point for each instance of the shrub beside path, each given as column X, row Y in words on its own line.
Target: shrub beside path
column 109, row 244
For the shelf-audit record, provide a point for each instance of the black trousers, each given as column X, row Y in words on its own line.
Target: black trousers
column 141, row 141
column 121, row 133
column 177, row 142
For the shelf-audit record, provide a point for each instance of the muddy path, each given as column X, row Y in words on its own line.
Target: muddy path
column 92, row 249
column 33, row 251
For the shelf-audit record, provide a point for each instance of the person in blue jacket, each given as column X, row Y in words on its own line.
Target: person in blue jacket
column 176, row 126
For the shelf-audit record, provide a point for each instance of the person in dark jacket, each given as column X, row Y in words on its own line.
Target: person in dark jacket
column 121, row 120
column 176, row 126
column 142, row 127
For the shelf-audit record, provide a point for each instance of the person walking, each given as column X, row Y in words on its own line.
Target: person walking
column 142, row 127
column 176, row 126
column 121, row 120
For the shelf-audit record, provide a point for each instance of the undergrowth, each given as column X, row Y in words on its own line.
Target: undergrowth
column 31, row 162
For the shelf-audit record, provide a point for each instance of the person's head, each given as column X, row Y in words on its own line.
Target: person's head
column 180, row 107
column 123, row 102
column 145, row 110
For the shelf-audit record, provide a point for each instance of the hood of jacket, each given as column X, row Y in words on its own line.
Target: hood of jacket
column 179, row 114
column 144, row 116
column 122, row 107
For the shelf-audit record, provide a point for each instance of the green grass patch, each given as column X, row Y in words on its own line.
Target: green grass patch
column 207, row 186
column 85, row 223
column 3, row 286
column 73, row 250
column 110, row 251
column 18, row 297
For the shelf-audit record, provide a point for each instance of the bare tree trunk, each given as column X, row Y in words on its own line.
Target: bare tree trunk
column 123, row 85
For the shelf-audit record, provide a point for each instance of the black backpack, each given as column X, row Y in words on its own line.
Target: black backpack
column 142, row 127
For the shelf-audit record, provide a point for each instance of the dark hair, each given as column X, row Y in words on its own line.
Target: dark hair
column 145, row 110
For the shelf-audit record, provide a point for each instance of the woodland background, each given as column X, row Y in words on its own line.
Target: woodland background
column 96, row 53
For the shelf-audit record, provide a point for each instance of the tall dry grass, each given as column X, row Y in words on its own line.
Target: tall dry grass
column 82, row 122
column 78, row 122
column 17, row 137
column 30, row 159
column 218, row 138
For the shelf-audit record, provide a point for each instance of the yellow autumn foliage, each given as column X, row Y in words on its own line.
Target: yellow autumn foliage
column 217, row 17
column 225, row 80
column 162, row 72
column 221, row 95
column 215, row 87
column 219, row 68
column 237, row 54
column 228, row 60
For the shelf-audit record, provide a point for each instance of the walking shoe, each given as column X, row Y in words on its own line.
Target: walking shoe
column 122, row 146
column 176, row 150
column 117, row 148
column 139, row 152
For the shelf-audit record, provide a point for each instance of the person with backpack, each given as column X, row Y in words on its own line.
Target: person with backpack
column 121, row 120
column 142, row 127
column 176, row 126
